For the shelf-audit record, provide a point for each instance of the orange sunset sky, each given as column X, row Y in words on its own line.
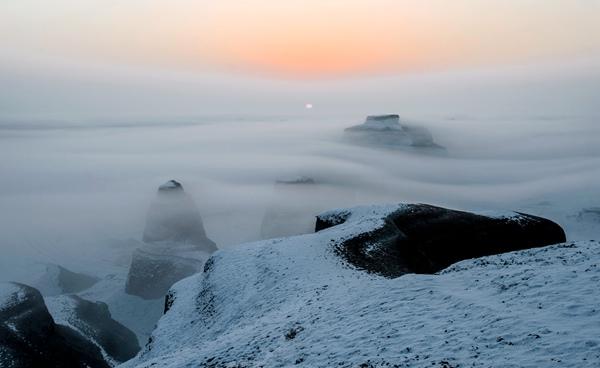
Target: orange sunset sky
column 302, row 38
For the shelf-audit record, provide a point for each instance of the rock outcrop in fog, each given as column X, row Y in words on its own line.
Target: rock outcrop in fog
column 176, row 244
column 29, row 337
column 174, row 217
column 388, row 131
column 298, row 301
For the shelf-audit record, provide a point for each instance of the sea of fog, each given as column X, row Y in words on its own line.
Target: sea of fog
column 74, row 193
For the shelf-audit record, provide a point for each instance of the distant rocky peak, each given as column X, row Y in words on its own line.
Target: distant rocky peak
column 389, row 118
column 300, row 180
column 171, row 185
column 379, row 122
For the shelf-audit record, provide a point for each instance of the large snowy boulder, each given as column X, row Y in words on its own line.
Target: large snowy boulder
column 94, row 321
column 419, row 238
column 294, row 302
column 388, row 131
column 29, row 337
column 176, row 245
column 174, row 217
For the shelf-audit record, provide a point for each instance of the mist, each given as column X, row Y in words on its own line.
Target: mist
column 82, row 156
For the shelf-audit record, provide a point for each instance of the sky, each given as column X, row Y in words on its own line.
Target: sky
column 56, row 51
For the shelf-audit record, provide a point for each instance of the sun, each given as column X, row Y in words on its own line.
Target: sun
column 308, row 106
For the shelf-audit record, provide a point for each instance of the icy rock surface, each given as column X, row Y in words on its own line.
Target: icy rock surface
column 29, row 337
column 94, row 321
column 176, row 245
column 295, row 302
column 388, row 131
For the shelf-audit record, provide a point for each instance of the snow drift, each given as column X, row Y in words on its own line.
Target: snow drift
column 295, row 301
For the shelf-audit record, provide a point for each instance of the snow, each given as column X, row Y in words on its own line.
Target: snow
column 292, row 301
column 358, row 220
column 10, row 295
column 62, row 308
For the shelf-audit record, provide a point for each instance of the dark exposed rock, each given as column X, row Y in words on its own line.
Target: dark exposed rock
column 388, row 131
column 169, row 300
column 155, row 267
column 30, row 338
column 58, row 280
column 93, row 320
column 420, row 238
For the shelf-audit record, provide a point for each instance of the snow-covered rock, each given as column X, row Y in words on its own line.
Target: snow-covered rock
column 58, row 280
column 29, row 337
column 176, row 245
column 388, row 131
column 420, row 238
column 94, row 321
column 295, row 302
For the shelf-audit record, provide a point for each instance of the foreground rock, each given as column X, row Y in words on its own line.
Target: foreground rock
column 295, row 302
column 93, row 320
column 30, row 338
column 176, row 244
column 58, row 280
column 387, row 131
column 419, row 238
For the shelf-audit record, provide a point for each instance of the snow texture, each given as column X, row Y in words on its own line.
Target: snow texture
column 10, row 295
column 293, row 302
column 62, row 310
